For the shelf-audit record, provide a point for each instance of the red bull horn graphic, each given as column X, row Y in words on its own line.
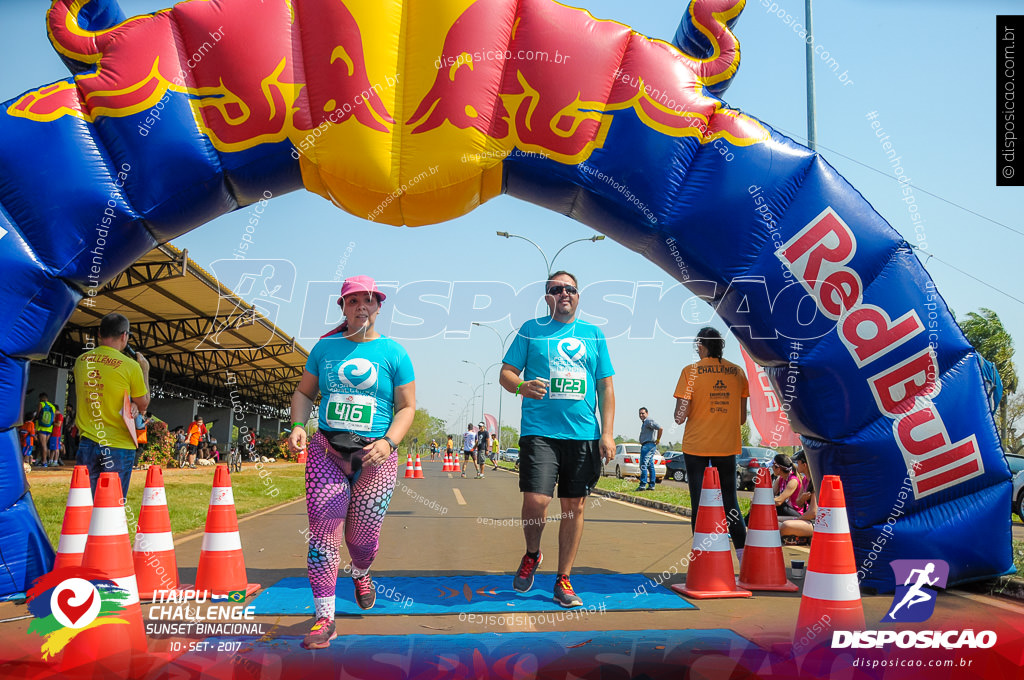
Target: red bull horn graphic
column 264, row 101
column 417, row 112
column 499, row 83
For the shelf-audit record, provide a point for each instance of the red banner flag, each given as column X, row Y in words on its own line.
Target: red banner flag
column 768, row 412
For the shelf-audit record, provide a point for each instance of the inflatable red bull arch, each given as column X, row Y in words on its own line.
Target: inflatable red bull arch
column 415, row 112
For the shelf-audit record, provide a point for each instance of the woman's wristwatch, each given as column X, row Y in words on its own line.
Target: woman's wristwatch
column 393, row 445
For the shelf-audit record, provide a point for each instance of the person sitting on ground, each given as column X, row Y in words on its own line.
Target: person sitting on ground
column 786, row 487
column 799, row 531
column 215, row 453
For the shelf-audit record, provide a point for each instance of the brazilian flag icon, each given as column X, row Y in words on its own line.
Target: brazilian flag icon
column 237, row 596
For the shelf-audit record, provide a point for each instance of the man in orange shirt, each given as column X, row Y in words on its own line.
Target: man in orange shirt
column 711, row 398
column 196, row 432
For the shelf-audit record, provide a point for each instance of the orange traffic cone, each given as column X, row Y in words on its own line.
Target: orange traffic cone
column 763, row 567
column 447, row 463
column 831, row 596
column 409, row 472
column 75, row 530
column 156, row 567
column 456, row 465
column 710, row 573
column 109, row 647
column 418, row 470
column 221, row 568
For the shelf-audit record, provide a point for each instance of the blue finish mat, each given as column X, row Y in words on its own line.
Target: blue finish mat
column 473, row 594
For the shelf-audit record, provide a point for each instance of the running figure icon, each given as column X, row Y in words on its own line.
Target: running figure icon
column 917, row 594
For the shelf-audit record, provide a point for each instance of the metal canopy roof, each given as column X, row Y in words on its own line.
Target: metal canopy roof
column 195, row 332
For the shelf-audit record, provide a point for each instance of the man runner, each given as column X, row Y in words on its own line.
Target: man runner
column 468, row 448
column 566, row 378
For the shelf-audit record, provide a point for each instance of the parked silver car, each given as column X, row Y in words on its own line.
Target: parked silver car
column 626, row 463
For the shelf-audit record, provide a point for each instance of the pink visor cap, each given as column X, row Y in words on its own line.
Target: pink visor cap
column 360, row 284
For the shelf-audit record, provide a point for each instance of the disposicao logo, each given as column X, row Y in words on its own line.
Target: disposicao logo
column 914, row 601
column 65, row 604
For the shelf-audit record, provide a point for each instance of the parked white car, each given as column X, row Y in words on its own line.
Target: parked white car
column 627, row 463
column 1017, row 497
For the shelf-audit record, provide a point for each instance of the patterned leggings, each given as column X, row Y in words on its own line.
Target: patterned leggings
column 330, row 499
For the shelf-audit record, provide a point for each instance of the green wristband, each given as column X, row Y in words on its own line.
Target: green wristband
column 521, row 383
column 295, row 425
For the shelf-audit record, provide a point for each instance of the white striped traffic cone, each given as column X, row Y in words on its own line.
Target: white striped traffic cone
column 710, row 572
column 75, row 529
column 108, row 551
column 763, row 566
column 221, row 568
column 831, row 596
column 156, row 566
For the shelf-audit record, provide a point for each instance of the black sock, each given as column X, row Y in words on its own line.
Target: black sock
column 533, row 555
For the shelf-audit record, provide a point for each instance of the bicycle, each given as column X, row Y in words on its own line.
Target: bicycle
column 181, row 455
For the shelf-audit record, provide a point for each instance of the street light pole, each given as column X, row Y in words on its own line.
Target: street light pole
column 549, row 265
column 501, row 390
column 483, row 377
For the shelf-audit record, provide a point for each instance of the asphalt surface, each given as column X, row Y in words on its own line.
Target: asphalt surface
column 440, row 525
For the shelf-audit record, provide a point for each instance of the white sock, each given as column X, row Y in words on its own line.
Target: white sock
column 324, row 607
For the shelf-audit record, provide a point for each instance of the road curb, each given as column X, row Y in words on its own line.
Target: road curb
column 645, row 502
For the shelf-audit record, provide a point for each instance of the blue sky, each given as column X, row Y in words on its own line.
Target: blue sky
column 926, row 69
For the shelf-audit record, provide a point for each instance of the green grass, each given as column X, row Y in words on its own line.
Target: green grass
column 661, row 493
column 665, row 494
column 1018, row 557
column 188, row 494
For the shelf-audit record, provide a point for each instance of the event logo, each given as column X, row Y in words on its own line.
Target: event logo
column 249, row 289
column 914, row 601
column 358, row 374
column 572, row 350
column 67, row 602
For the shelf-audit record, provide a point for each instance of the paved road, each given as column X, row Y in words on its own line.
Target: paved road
column 439, row 526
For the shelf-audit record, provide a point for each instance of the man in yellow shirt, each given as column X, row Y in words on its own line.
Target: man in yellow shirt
column 103, row 376
column 711, row 398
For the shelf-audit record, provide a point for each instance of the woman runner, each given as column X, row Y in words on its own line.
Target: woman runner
column 368, row 399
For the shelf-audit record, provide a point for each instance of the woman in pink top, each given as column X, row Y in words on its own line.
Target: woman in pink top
column 787, row 486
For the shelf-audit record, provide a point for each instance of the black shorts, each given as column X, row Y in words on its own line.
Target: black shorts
column 573, row 463
column 469, row 455
column 193, row 449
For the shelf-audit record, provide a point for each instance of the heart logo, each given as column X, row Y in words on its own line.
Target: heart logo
column 74, row 613
column 572, row 349
column 75, row 603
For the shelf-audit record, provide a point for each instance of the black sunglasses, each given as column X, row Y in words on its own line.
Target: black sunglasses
column 557, row 290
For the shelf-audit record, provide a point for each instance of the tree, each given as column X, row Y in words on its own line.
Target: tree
column 986, row 333
column 745, row 434
column 1014, row 441
column 509, row 437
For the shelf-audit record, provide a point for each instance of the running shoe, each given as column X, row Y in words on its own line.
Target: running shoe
column 640, row 488
column 524, row 577
column 320, row 635
column 565, row 595
column 366, row 594
column 481, row 475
